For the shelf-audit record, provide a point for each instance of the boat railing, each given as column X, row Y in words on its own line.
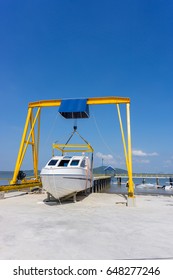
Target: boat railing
column 72, row 148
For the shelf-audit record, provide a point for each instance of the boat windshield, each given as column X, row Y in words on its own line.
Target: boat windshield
column 64, row 162
column 52, row 162
column 74, row 162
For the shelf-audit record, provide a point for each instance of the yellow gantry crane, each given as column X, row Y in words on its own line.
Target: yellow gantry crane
column 31, row 136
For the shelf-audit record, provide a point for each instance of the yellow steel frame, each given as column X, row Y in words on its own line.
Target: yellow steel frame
column 67, row 148
column 30, row 138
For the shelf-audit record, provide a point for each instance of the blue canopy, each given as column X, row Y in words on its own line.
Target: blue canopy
column 109, row 168
column 74, row 108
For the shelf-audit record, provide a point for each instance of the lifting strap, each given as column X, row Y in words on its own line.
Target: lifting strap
column 74, row 131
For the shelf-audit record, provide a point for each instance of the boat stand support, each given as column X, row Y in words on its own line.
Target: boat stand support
column 74, row 198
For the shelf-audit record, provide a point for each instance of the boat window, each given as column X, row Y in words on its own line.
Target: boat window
column 83, row 163
column 74, row 162
column 53, row 162
column 64, row 162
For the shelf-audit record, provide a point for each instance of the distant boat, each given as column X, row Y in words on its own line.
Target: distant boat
column 168, row 188
column 64, row 175
column 147, row 185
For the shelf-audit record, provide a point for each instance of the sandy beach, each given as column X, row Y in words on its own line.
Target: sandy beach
column 99, row 226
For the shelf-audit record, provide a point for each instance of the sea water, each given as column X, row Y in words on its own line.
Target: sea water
column 6, row 176
column 149, row 187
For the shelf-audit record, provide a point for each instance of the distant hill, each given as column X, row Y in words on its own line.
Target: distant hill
column 100, row 170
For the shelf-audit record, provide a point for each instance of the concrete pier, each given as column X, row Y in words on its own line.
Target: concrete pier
column 157, row 181
column 119, row 180
column 100, row 183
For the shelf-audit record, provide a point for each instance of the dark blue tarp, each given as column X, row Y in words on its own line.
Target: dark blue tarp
column 74, row 108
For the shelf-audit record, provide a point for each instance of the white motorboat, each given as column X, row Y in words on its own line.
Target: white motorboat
column 65, row 175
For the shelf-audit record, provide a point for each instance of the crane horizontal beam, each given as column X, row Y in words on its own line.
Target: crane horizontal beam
column 90, row 101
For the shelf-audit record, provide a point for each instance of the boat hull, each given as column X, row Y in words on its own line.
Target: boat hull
column 63, row 184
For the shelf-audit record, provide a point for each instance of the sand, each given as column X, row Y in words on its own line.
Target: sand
column 97, row 227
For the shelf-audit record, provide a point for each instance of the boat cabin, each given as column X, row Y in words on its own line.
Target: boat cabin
column 64, row 161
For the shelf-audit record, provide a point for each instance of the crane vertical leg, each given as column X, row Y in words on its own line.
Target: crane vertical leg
column 35, row 144
column 123, row 138
column 17, row 166
column 25, row 142
column 131, row 197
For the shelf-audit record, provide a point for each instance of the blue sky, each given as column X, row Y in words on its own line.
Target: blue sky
column 70, row 49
